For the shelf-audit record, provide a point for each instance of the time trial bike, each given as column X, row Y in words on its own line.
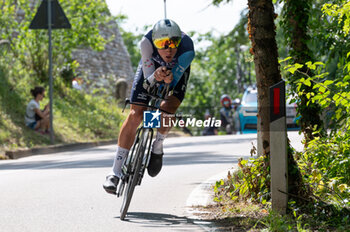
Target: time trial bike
column 136, row 163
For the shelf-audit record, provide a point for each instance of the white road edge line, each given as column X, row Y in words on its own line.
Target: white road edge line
column 201, row 196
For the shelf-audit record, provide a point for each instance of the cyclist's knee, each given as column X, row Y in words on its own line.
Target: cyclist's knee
column 135, row 115
column 171, row 104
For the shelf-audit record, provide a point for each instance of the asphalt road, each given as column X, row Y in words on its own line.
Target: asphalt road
column 63, row 191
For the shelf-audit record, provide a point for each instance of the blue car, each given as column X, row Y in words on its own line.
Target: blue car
column 248, row 110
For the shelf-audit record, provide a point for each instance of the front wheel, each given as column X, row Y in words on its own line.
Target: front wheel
column 135, row 173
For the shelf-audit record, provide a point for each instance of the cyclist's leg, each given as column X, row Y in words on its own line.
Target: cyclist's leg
column 127, row 136
column 127, row 132
column 173, row 102
column 170, row 105
column 125, row 140
column 156, row 160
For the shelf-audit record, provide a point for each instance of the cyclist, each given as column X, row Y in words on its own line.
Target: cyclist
column 226, row 113
column 166, row 55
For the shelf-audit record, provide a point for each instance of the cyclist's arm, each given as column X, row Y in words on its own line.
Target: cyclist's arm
column 184, row 62
column 148, row 67
column 186, row 50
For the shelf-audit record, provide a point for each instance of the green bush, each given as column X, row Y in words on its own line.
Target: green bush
column 326, row 160
column 249, row 183
column 78, row 117
column 325, row 167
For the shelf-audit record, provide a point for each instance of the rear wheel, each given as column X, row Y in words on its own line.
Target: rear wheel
column 135, row 173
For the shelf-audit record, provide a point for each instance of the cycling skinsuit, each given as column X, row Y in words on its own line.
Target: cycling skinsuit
column 151, row 60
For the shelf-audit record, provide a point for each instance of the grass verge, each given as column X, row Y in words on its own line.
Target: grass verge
column 78, row 116
column 226, row 214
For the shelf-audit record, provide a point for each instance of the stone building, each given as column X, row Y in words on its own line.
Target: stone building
column 102, row 70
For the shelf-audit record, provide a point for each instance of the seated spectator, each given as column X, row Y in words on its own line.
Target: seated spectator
column 36, row 119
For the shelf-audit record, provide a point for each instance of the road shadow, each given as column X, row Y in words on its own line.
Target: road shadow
column 184, row 223
column 95, row 159
column 160, row 220
column 170, row 159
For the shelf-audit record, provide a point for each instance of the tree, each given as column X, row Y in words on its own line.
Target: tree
column 262, row 34
column 29, row 47
column 261, row 29
column 295, row 24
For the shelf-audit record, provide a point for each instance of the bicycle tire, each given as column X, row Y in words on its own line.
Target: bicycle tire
column 133, row 178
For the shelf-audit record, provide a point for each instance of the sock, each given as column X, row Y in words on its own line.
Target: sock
column 120, row 156
column 157, row 146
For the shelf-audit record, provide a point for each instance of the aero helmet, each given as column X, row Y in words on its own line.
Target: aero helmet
column 166, row 33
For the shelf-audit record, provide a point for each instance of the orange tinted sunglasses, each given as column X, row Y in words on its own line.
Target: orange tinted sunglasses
column 164, row 43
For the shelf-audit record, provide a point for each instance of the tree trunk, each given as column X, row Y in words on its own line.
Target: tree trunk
column 296, row 16
column 262, row 34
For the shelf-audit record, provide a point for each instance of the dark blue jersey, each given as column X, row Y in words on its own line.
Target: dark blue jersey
column 181, row 61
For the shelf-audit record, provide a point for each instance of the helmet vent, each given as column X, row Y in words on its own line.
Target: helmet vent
column 167, row 22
